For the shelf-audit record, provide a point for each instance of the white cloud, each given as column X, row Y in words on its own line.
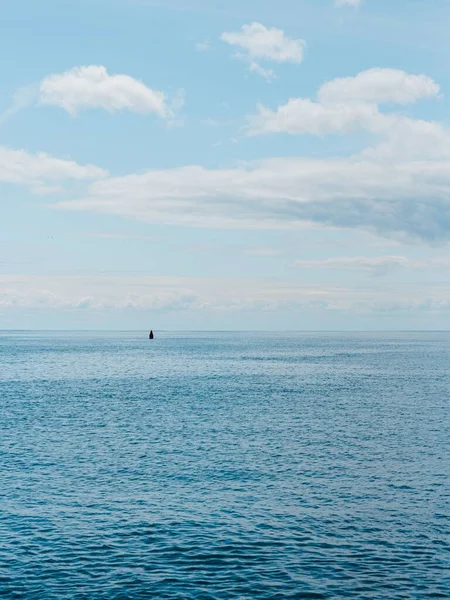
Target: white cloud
column 39, row 170
column 354, row 3
column 262, row 43
column 379, row 86
column 349, row 104
column 402, row 138
column 301, row 116
column 408, row 140
column 93, row 87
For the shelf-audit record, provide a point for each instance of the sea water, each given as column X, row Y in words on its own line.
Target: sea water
column 224, row 466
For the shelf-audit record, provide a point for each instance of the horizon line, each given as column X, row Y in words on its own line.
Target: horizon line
column 228, row 330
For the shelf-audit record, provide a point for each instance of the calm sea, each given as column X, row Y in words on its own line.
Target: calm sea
column 224, row 466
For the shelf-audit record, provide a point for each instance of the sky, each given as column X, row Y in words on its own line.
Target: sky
column 225, row 165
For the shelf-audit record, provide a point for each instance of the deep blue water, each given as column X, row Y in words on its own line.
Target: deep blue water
column 224, row 466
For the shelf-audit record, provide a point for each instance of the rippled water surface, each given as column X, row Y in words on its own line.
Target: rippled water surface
column 224, row 466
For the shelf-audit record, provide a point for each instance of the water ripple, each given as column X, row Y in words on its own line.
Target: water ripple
column 221, row 466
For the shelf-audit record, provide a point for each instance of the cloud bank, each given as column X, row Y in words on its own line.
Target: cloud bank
column 402, row 199
column 83, row 293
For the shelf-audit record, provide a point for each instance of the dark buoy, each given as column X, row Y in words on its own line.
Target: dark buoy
column 151, row 336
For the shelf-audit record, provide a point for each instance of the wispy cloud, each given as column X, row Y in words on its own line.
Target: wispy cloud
column 377, row 264
column 263, row 252
column 203, row 46
column 268, row 74
column 23, row 97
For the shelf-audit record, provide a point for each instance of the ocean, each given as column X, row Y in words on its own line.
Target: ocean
column 211, row 466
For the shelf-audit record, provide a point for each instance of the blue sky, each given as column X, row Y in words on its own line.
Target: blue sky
column 200, row 164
